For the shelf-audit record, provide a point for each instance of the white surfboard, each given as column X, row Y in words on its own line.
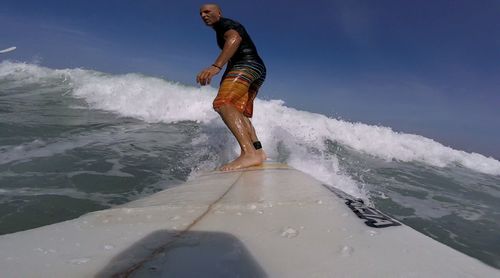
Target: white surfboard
column 8, row 49
column 267, row 221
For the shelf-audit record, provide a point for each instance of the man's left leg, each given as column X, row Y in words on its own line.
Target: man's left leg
column 238, row 124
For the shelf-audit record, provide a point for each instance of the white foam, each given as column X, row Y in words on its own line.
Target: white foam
column 28, row 73
column 301, row 133
column 37, row 148
column 146, row 98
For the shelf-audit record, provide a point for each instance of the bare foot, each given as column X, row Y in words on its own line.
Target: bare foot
column 245, row 161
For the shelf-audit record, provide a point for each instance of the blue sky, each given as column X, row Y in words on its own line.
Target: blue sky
column 425, row 67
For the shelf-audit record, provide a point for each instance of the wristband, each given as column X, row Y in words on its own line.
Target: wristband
column 214, row 65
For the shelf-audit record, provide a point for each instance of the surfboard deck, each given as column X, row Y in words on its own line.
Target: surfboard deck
column 266, row 221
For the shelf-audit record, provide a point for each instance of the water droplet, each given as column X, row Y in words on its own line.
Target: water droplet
column 108, row 247
column 79, row 261
column 346, row 251
column 371, row 233
column 289, row 232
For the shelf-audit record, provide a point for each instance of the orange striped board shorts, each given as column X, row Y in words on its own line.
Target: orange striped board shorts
column 239, row 86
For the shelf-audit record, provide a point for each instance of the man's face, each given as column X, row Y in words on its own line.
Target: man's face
column 210, row 14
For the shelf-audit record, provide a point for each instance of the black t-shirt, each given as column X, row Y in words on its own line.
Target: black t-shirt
column 246, row 52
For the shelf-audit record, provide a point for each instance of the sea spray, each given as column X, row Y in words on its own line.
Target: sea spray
column 157, row 100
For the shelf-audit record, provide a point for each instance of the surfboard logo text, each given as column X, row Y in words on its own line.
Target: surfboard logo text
column 373, row 217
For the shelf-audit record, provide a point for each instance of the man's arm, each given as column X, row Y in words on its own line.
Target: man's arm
column 232, row 42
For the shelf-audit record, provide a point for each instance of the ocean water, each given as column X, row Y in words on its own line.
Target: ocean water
column 74, row 141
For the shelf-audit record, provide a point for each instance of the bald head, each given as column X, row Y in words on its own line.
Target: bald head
column 210, row 13
column 213, row 6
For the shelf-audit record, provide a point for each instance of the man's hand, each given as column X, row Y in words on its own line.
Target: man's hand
column 205, row 76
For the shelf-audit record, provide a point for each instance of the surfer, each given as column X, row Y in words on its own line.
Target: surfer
column 244, row 74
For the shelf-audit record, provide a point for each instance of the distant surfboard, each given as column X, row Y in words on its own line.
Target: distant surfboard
column 8, row 49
